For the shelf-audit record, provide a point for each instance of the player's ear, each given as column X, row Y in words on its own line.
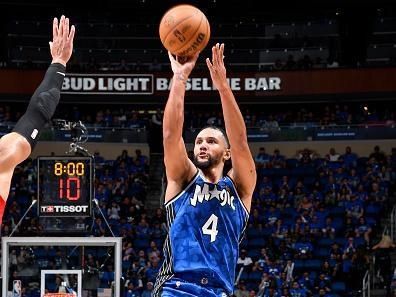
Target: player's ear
column 227, row 154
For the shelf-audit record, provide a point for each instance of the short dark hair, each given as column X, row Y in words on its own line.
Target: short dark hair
column 218, row 129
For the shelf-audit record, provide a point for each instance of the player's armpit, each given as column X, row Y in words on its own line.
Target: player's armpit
column 14, row 149
column 5, row 183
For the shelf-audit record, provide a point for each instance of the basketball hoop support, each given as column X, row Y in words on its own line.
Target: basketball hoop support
column 115, row 242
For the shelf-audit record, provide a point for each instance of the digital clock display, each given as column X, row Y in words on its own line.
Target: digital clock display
column 65, row 186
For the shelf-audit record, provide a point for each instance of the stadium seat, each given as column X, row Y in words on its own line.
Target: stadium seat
column 325, row 242
column 359, row 241
column 141, row 243
column 257, row 242
column 108, row 276
column 126, row 265
column 299, row 265
column 362, row 161
column 244, row 276
column 338, row 287
column 321, row 252
column 313, row 264
column 266, row 172
column 309, row 180
column 372, row 210
column 371, row 221
column 341, row 241
column 280, row 172
column 338, row 211
column 255, row 275
column 291, row 163
column 252, row 232
column 254, row 253
column 338, row 223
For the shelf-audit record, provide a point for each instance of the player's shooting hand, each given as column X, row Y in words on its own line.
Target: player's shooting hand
column 61, row 45
column 182, row 67
column 216, row 67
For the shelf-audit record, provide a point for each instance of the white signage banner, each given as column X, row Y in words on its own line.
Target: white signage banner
column 147, row 84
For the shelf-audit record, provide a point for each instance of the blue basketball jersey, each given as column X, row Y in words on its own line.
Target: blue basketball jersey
column 206, row 222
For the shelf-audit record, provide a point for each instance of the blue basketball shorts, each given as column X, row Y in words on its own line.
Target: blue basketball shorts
column 176, row 287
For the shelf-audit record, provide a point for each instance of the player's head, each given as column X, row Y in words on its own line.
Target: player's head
column 211, row 148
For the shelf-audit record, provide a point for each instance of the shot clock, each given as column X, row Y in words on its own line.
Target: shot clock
column 65, row 186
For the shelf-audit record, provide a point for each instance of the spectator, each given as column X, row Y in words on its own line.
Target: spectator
column 378, row 156
column 306, row 282
column 305, row 156
column 270, row 124
column 262, row 260
column 323, row 283
column 354, row 207
column 383, row 267
column 99, row 228
column 141, row 160
column 329, row 229
column 323, row 293
column 241, row 290
column 350, row 247
column 131, row 291
column 153, row 267
column 303, row 248
column 277, row 160
column 148, row 291
column 244, row 261
column 363, row 229
column 297, row 291
column 289, row 271
column 113, row 212
column 349, row 158
column 262, row 158
column 333, row 156
column 376, row 194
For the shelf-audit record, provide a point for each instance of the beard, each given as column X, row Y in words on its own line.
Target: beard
column 203, row 164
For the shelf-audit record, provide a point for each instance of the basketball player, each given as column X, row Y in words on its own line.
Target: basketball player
column 16, row 146
column 207, row 211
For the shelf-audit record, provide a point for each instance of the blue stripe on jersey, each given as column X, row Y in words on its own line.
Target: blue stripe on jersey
column 207, row 222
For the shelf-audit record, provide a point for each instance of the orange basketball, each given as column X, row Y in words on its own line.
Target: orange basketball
column 184, row 30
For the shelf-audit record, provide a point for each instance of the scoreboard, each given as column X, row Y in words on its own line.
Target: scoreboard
column 65, row 186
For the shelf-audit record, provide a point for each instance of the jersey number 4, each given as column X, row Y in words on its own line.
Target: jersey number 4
column 210, row 227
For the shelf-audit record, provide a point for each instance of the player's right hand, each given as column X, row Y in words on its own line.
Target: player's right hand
column 182, row 69
column 61, row 45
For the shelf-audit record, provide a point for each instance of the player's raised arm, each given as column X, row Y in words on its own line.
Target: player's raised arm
column 243, row 172
column 179, row 168
column 16, row 146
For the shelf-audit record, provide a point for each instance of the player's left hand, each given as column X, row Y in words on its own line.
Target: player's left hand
column 61, row 45
column 216, row 67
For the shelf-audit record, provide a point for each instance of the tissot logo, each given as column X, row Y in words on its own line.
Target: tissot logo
column 64, row 209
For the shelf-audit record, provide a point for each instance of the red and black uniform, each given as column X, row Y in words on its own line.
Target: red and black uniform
column 2, row 208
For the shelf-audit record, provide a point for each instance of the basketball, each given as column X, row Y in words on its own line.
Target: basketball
column 184, row 30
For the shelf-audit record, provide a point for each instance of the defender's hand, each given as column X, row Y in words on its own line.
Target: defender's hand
column 61, row 45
